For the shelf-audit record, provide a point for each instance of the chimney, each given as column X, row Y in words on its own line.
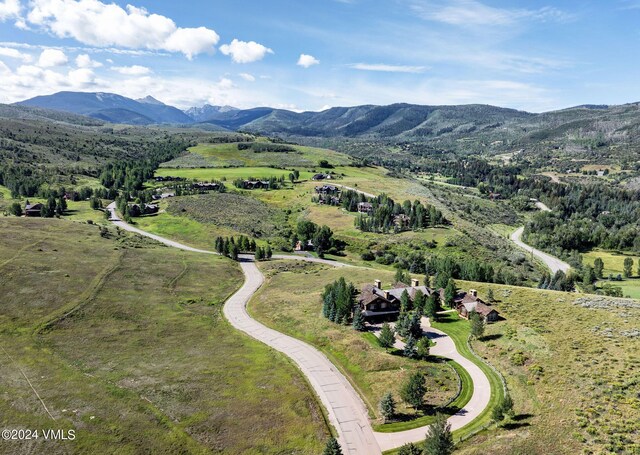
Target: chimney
column 415, row 283
column 473, row 292
column 378, row 284
column 386, row 294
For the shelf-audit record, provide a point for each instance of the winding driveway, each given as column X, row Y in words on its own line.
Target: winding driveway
column 346, row 410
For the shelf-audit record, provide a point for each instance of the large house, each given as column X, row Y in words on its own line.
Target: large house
column 471, row 302
column 378, row 303
column 33, row 209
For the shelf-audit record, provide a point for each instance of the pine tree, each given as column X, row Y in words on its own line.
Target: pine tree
column 477, row 324
column 332, row 447
column 405, row 302
column 422, row 348
column 268, row 253
column 409, row 350
column 233, row 252
column 259, row 254
column 410, row 449
column 628, row 267
column 431, row 307
column 387, row 336
column 450, row 293
column 358, row 320
column 387, row 406
column 490, row 297
column 439, row 440
column 412, row 392
column 419, row 302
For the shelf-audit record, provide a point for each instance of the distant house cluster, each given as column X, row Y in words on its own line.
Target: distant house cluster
column 322, row 176
column 377, row 303
column 255, row 184
column 143, row 209
column 328, row 194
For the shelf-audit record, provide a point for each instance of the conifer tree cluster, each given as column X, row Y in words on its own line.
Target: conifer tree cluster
column 232, row 247
column 338, row 300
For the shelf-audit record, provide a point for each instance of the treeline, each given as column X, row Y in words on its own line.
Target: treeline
column 131, row 174
column 261, row 147
column 231, row 247
column 387, row 215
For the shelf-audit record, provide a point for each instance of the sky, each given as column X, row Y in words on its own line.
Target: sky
column 315, row 54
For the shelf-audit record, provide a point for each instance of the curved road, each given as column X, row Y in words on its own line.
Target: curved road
column 346, row 410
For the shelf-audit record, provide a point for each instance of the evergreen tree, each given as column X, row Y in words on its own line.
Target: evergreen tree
column 15, row 209
column 358, row 319
column 431, row 307
column 414, row 327
column 402, row 325
column 409, row 350
column 233, row 252
column 490, row 297
column 477, row 324
column 387, row 406
column 450, row 293
column 598, row 267
column 387, row 336
column 412, row 391
column 419, row 302
column 405, row 302
column 628, row 267
column 268, row 253
column 402, row 276
column 259, row 254
column 439, row 440
column 252, row 245
column 410, row 449
column 422, row 348
column 332, row 447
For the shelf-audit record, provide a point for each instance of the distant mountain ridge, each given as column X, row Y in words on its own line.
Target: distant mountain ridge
column 447, row 127
column 111, row 108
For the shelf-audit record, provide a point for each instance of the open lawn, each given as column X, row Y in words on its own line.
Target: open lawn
column 614, row 265
column 290, row 302
column 228, row 155
column 125, row 343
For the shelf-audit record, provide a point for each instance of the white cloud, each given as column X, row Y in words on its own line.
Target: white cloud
column 9, row 9
column 82, row 77
column 14, row 53
column 247, row 77
column 381, row 67
column 52, row 57
column 84, row 61
column 4, row 69
column 467, row 13
column 98, row 24
column 245, row 52
column 135, row 70
column 306, row 60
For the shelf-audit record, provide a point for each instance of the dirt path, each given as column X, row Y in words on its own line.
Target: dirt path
column 346, row 410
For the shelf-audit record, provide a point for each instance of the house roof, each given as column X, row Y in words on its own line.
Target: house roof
column 478, row 306
column 36, row 206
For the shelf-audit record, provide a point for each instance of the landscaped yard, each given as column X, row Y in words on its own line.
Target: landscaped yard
column 290, row 302
column 614, row 265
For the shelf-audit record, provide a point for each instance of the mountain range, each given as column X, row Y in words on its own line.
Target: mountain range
column 398, row 122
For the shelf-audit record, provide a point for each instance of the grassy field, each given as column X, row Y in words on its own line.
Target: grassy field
column 613, row 264
column 290, row 302
column 228, row 155
column 571, row 368
column 125, row 343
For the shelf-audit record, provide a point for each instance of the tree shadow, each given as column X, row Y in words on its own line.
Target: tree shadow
column 518, row 421
column 495, row 336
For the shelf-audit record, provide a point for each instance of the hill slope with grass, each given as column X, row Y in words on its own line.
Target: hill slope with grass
column 124, row 341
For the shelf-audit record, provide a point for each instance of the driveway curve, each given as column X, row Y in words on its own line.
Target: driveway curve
column 346, row 410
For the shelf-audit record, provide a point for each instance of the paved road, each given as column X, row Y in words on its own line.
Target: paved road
column 552, row 262
column 347, row 413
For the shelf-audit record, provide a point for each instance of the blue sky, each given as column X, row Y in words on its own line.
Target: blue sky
column 309, row 55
